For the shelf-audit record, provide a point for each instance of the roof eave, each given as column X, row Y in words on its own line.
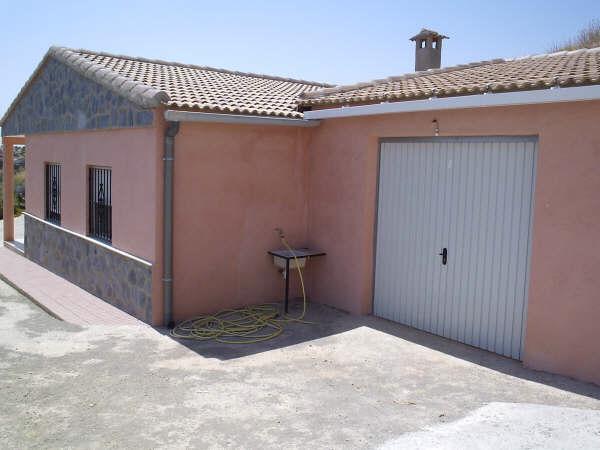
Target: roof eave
column 539, row 96
column 254, row 112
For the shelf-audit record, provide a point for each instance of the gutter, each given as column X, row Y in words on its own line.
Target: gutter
column 189, row 116
column 173, row 119
column 552, row 95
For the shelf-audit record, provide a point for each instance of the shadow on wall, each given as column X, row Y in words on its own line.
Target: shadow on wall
column 327, row 321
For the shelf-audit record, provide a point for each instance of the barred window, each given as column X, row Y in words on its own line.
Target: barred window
column 100, row 204
column 52, row 193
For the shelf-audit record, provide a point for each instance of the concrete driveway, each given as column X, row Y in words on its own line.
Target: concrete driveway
column 343, row 382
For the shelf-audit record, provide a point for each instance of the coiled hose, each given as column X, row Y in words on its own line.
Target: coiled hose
column 245, row 325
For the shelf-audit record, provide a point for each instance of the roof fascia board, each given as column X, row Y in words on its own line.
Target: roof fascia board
column 552, row 95
column 191, row 116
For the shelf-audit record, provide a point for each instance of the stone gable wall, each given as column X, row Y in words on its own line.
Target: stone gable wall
column 61, row 99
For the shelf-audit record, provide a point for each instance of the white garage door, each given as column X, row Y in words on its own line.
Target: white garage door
column 453, row 237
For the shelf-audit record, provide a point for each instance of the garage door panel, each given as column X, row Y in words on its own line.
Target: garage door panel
column 479, row 260
column 499, row 339
column 519, row 270
column 402, row 261
column 436, row 308
column 425, row 243
column 453, row 219
column 472, row 196
column 462, row 302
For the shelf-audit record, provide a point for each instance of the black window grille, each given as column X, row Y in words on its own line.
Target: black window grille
column 52, row 197
column 100, row 204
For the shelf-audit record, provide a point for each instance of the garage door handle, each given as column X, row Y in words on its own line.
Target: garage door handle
column 444, row 256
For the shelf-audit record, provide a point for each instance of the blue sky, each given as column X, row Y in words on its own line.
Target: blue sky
column 330, row 41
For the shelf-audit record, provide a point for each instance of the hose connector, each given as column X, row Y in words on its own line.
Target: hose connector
column 279, row 232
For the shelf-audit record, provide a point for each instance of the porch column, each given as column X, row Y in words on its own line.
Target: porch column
column 8, row 189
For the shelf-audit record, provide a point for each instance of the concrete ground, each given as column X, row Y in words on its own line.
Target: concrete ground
column 342, row 382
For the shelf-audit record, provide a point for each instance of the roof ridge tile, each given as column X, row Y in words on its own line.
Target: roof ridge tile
column 139, row 93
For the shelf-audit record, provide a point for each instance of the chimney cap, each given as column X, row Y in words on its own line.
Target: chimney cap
column 425, row 33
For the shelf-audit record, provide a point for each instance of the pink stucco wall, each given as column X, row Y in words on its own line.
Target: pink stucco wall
column 562, row 332
column 131, row 153
column 233, row 185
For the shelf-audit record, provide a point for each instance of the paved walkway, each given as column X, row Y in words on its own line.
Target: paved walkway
column 57, row 296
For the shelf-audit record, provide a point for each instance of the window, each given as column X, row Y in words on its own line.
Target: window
column 52, row 193
column 100, row 203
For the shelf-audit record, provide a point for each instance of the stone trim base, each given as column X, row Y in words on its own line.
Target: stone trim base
column 112, row 275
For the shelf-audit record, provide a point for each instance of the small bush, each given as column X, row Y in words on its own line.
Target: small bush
column 588, row 37
column 19, row 202
column 19, row 181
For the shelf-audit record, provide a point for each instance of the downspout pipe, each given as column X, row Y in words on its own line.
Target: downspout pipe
column 168, row 161
column 173, row 119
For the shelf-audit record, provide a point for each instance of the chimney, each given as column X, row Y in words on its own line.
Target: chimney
column 428, row 49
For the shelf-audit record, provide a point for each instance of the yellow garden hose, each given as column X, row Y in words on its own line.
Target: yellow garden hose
column 242, row 325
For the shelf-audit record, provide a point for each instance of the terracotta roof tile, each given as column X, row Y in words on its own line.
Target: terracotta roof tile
column 579, row 67
column 152, row 83
column 194, row 87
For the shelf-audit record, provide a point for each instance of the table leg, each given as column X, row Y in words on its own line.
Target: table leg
column 287, row 283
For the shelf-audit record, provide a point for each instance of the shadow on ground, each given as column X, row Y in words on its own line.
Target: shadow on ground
column 328, row 321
